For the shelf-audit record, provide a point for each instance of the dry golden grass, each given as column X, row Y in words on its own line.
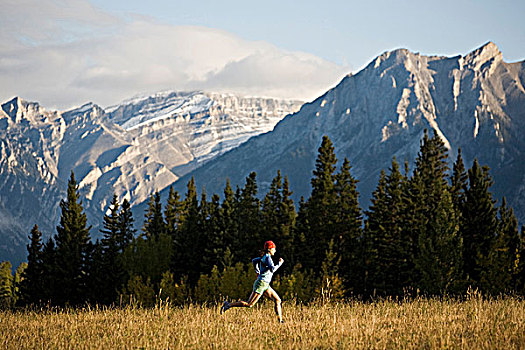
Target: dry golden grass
column 419, row 324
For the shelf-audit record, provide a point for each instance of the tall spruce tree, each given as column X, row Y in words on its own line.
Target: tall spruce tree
column 288, row 216
column 186, row 256
column 432, row 221
column 374, row 235
column 458, row 189
column 459, row 183
column 34, row 274
column 321, row 208
column 270, row 210
column 213, row 235
column 248, row 240
column 304, row 255
column 439, row 258
column 112, row 274
column 125, row 223
column 99, row 284
column 503, row 257
column 110, row 224
column 479, row 225
column 204, row 238
column 73, row 247
column 149, row 255
column 154, row 224
column 173, row 212
column 228, row 223
column 348, row 227
column 387, row 251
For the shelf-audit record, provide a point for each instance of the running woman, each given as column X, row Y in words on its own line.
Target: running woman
column 265, row 269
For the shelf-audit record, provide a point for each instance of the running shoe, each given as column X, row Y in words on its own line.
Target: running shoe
column 225, row 306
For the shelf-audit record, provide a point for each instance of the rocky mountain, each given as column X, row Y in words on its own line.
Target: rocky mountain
column 131, row 149
column 147, row 143
column 475, row 102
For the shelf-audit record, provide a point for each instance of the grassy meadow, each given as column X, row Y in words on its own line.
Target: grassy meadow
column 475, row 323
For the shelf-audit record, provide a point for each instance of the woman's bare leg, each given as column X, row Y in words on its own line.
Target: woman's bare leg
column 254, row 297
column 272, row 294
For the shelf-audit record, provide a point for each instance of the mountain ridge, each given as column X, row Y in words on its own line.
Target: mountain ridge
column 381, row 112
column 39, row 149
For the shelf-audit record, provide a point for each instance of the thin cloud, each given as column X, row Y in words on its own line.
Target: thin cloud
column 277, row 73
column 66, row 53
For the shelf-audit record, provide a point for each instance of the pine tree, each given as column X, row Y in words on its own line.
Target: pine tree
column 72, row 249
column 6, row 285
column 214, row 247
column 228, row 222
column 110, row 237
column 459, row 182
column 288, row 217
column 304, row 255
column 270, row 210
column 458, row 189
column 248, row 240
column 439, row 259
column 348, row 227
column 372, row 235
column 188, row 238
column 204, row 238
column 154, row 224
column 387, row 252
column 110, row 230
column 173, row 212
column 126, row 229
column 34, row 274
column 321, row 208
column 479, row 225
column 432, row 222
column 111, row 272
column 503, row 258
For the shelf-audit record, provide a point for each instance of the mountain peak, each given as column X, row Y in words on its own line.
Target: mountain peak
column 88, row 110
column 486, row 53
column 395, row 56
column 489, row 47
column 15, row 108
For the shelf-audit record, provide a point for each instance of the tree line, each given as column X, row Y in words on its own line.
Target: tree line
column 432, row 231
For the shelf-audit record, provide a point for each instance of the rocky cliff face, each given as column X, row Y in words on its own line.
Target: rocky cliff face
column 137, row 147
column 29, row 184
column 474, row 102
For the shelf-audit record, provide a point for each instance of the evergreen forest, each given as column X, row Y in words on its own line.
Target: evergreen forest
column 429, row 230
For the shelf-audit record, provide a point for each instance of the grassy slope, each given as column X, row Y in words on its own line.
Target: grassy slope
column 423, row 323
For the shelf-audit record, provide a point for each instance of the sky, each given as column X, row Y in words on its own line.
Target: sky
column 64, row 53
